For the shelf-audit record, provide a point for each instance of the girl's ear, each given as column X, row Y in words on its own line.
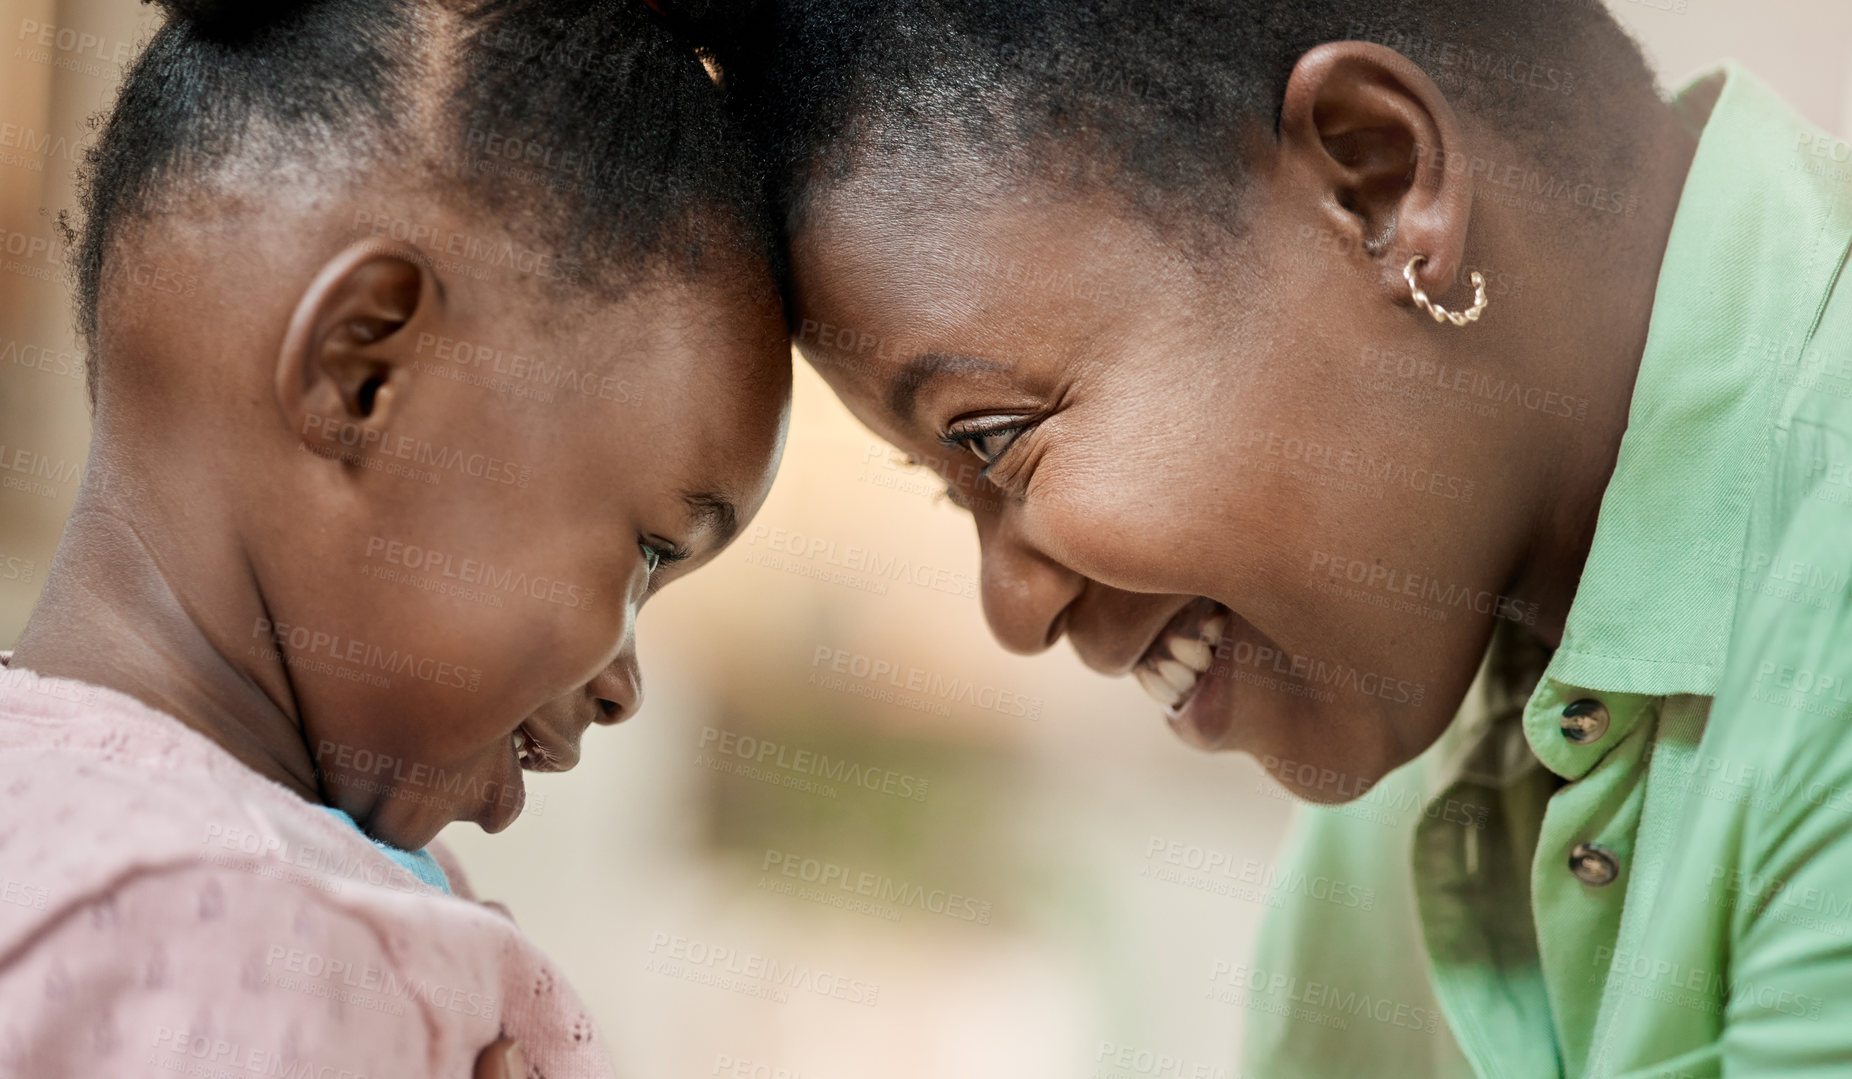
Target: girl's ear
column 347, row 356
column 1376, row 137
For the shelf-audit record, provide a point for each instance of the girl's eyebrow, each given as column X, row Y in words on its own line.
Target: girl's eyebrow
column 710, row 512
column 904, row 389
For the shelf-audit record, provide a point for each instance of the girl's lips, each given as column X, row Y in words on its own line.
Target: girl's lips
column 531, row 748
column 523, row 744
column 535, row 751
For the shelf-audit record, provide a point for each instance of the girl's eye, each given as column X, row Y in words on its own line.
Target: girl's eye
column 652, row 557
column 659, row 554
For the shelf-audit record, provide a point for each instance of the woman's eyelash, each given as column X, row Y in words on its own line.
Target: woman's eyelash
column 969, row 439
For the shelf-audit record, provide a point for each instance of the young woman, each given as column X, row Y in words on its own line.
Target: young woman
column 1408, row 395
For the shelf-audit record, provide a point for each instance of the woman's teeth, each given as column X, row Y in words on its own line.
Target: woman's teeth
column 523, row 746
column 1191, row 652
column 1161, row 691
column 1171, row 679
column 1181, row 678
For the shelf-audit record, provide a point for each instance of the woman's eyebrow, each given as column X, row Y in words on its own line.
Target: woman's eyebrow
column 915, row 375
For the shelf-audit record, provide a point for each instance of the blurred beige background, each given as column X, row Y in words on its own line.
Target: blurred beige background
column 1035, row 794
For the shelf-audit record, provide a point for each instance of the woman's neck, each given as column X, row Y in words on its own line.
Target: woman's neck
column 1605, row 303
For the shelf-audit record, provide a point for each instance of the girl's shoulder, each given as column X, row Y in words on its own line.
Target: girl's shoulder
column 148, row 879
column 95, row 785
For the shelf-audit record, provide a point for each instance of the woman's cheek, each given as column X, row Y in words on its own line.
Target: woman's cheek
column 1107, row 532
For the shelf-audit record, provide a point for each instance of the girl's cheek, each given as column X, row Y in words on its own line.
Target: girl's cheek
column 588, row 636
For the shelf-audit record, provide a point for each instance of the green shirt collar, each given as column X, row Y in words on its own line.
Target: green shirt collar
column 1652, row 612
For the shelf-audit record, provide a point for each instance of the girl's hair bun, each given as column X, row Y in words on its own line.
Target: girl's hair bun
column 226, row 16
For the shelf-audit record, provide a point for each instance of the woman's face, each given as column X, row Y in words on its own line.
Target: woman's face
column 1264, row 490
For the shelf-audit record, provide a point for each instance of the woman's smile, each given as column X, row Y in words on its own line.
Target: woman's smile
column 1181, row 653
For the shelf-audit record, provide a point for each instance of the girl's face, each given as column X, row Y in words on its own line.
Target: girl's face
column 491, row 489
column 1263, row 491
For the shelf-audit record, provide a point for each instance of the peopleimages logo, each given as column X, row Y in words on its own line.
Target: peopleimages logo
column 74, row 42
column 1115, row 1059
column 766, row 753
column 52, row 361
column 1308, row 675
column 1655, row 977
column 20, row 894
column 369, row 978
column 856, row 559
column 1479, row 385
column 1372, row 575
column 1354, row 462
column 1257, row 875
column 497, row 363
column 1322, row 998
column 323, row 867
column 427, row 455
column 210, row 1055
column 750, row 973
column 877, row 887
column 305, row 644
column 37, row 466
column 488, row 252
column 867, row 676
column 475, row 572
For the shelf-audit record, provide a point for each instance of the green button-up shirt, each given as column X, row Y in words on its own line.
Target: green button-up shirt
column 1633, row 856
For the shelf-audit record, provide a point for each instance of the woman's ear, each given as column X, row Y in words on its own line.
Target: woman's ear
column 348, row 353
column 1377, row 137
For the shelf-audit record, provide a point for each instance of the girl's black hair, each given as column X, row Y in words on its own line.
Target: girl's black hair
column 1149, row 97
column 591, row 130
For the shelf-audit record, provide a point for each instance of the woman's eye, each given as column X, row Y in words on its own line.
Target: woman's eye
column 989, row 445
column 652, row 557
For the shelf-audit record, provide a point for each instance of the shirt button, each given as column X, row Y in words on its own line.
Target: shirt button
column 1593, row 865
column 1585, row 720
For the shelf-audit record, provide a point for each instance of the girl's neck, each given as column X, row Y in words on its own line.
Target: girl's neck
column 127, row 608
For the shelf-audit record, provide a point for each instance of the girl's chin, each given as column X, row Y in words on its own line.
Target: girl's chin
column 409, row 818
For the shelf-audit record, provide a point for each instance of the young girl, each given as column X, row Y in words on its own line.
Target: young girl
column 1409, row 396
column 475, row 347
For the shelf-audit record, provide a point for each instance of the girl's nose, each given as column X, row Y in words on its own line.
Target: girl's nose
column 618, row 689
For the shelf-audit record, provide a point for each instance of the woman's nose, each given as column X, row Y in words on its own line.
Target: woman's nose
column 1025, row 592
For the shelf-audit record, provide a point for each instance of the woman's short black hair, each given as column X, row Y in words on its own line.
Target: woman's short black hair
column 591, row 130
column 1151, row 98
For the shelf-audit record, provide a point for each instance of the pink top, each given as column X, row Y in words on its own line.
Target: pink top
column 164, row 910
